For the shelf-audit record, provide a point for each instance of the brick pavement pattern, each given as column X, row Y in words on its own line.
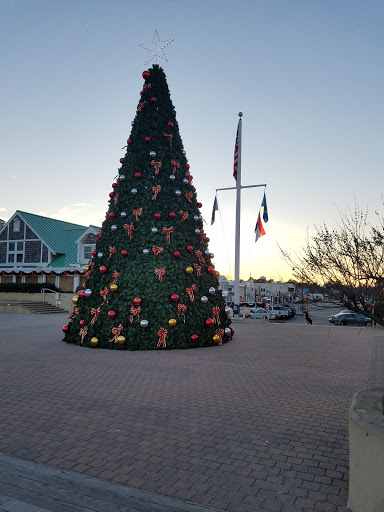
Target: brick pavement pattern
column 258, row 424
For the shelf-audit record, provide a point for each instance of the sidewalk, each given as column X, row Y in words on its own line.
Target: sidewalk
column 259, row 424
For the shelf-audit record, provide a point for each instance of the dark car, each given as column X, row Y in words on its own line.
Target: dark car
column 350, row 318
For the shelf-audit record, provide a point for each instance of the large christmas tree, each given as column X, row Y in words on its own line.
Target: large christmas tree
column 151, row 282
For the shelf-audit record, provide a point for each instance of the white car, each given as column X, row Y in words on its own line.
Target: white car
column 259, row 313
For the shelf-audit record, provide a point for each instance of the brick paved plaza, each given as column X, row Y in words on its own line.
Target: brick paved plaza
column 257, row 424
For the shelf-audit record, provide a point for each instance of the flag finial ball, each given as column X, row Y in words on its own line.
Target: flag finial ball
column 240, row 114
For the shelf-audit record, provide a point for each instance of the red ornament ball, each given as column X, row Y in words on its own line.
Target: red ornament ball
column 137, row 301
column 207, row 239
column 111, row 194
column 113, row 185
column 82, row 322
column 175, row 297
column 172, row 215
column 124, row 252
column 147, row 139
column 157, row 216
column 111, row 314
column 176, row 254
column 112, row 215
column 138, row 175
column 121, row 160
column 146, row 74
column 189, row 248
column 103, row 269
column 153, row 99
column 194, row 189
column 199, row 205
column 188, row 166
column 209, row 322
column 129, row 141
column 65, row 328
column 210, row 270
column 93, row 252
column 170, row 124
column 194, row 337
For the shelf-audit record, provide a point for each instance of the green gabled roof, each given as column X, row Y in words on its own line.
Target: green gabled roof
column 58, row 235
column 70, row 256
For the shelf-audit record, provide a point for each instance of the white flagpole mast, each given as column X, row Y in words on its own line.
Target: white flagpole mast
column 236, row 298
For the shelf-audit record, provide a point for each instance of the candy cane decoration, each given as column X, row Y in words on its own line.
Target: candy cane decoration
column 198, row 269
column 175, row 165
column 115, row 275
column 141, row 106
column 168, row 232
column 157, row 250
column 157, row 166
column 169, row 137
column 96, row 312
column 83, row 332
column 134, row 312
column 189, row 178
column 190, row 292
column 162, row 335
column 220, row 334
column 116, row 331
column 137, row 213
column 199, row 256
column 129, row 228
column 75, row 312
column 216, row 313
column 160, row 272
column 112, row 250
column 155, row 191
column 104, row 294
column 184, row 215
column 181, row 308
column 99, row 233
column 188, row 196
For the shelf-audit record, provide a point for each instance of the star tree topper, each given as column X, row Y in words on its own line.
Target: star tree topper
column 156, row 48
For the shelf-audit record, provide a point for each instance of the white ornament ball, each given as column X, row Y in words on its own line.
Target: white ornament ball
column 201, row 217
column 212, row 255
column 100, row 254
column 206, row 252
column 227, row 310
column 123, row 214
column 145, row 251
column 134, row 191
column 152, row 153
column 132, row 123
column 154, row 230
column 183, row 151
column 212, row 290
column 144, row 323
column 197, row 230
column 178, row 193
column 196, row 218
column 88, row 292
column 204, row 299
column 113, row 227
column 227, row 331
column 122, row 176
column 172, row 177
column 185, row 180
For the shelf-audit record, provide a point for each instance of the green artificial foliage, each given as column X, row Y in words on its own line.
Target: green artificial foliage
column 150, row 256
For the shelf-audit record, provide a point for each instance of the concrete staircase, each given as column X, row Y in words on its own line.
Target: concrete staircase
column 40, row 308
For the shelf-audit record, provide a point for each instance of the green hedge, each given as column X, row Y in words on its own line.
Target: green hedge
column 26, row 287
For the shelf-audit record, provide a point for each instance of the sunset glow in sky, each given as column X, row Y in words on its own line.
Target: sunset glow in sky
column 308, row 77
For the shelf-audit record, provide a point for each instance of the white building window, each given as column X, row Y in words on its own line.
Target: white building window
column 87, row 251
column 15, row 252
column 16, row 226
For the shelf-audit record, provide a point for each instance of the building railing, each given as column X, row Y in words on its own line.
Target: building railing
column 58, row 296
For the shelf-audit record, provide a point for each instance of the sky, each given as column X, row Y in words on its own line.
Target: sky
column 307, row 75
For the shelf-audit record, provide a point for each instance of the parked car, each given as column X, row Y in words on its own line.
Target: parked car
column 349, row 318
column 291, row 308
column 277, row 312
column 259, row 313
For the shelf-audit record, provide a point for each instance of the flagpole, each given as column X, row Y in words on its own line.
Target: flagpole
column 236, row 298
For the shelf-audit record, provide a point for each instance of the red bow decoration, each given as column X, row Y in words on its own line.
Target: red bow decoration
column 116, row 331
column 33, row 273
column 157, row 250
column 134, row 312
column 198, row 269
column 162, row 335
column 189, row 178
column 160, row 272
column 115, row 198
column 184, row 215
column 129, row 228
column 137, row 213
column 83, row 332
column 104, row 294
column 220, row 333
column 42, row 273
column 112, row 250
column 155, row 191
column 96, row 312
column 156, row 165
column 140, row 107
column 115, row 275
column 181, row 308
column 176, row 166
column 216, row 313
column 188, row 196
column 88, row 273
column 199, row 256
column 169, row 137
column 190, row 292
column 168, row 232
column 146, row 86
column 75, row 312
column 75, row 273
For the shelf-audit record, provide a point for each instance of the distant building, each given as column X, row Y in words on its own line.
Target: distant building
column 254, row 290
column 39, row 249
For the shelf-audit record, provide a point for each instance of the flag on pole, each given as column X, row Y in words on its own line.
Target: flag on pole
column 259, row 228
column 236, row 156
column 215, row 209
column 264, row 206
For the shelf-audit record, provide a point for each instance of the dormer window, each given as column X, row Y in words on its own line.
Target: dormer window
column 16, row 226
column 87, row 251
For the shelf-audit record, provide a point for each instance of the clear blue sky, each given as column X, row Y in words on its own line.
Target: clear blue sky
column 308, row 76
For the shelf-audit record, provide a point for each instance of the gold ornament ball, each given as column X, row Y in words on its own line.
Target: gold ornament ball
column 189, row 270
column 121, row 340
column 75, row 299
column 113, row 287
column 94, row 342
column 172, row 322
column 217, row 273
column 216, row 338
column 86, row 268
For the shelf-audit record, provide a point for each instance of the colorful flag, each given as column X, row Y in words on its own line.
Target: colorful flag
column 215, row 209
column 264, row 205
column 236, row 153
column 259, row 228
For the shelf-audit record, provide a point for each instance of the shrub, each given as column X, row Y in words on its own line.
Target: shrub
column 26, row 287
